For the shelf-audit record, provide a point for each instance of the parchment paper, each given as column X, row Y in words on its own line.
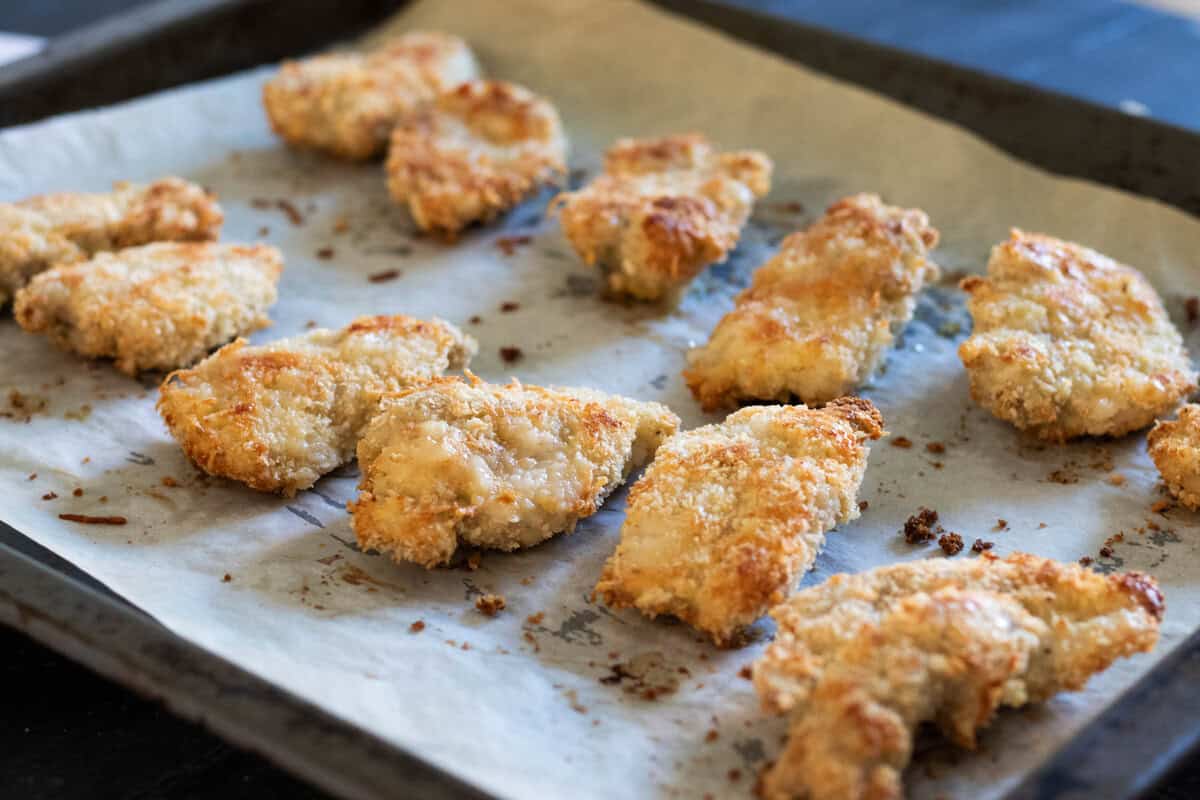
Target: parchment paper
column 534, row 708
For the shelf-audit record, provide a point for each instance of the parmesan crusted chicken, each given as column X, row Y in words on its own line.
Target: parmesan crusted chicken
column 279, row 416
column 500, row 467
column 347, row 103
column 1175, row 449
column 1068, row 342
column 819, row 316
column 728, row 516
column 861, row 660
column 158, row 306
column 40, row 232
column 662, row 211
column 476, row 152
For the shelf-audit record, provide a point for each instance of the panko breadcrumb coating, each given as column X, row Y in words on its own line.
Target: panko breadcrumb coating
column 64, row 228
column 346, row 104
column 819, row 316
column 861, row 660
column 1175, row 449
column 277, row 417
column 158, row 306
column 1067, row 342
column 500, row 467
column 476, row 152
column 729, row 516
column 662, row 211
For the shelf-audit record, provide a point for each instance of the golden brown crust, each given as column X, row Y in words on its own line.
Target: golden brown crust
column 1175, row 449
column 1068, row 342
column 277, row 417
column 68, row 227
column 728, row 516
column 346, row 104
column 476, row 152
column 662, row 211
column 158, row 306
column 819, row 316
column 862, row 659
column 500, row 467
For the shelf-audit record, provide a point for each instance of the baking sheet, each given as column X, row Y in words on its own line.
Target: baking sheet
column 536, row 707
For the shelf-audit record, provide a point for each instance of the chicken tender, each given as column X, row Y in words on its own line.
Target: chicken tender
column 346, row 104
column 728, row 516
column 662, row 211
column 158, row 306
column 279, row 416
column 1068, row 342
column 474, row 154
column 819, row 316
column 500, row 467
column 65, row 228
column 862, row 659
column 1175, row 449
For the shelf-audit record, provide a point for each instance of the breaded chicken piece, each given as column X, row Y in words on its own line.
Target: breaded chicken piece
column 158, row 306
column 476, row 152
column 65, row 228
column 819, row 316
column 1068, row 342
column 862, row 659
column 728, row 516
column 1175, row 449
column 662, row 211
column 500, row 467
column 279, row 416
column 346, row 104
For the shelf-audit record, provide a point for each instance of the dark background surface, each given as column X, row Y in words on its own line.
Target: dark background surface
column 65, row 733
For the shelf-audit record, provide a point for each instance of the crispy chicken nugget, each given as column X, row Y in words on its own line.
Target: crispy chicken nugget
column 728, row 516
column 1175, row 449
column 1068, row 342
column 500, row 467
column 862, row 659
column 40, row 232
column 476, row 152
column 279, row 416
column 346, row 104
column 662, row 211
column 158, row 306
column 819, row 316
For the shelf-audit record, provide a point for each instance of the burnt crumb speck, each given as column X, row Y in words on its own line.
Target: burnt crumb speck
column 490, row 604
column 509, row 306
column 290, row 211
column 385, row 276
column 1106, row 552
column 511, row 355
column 712, row 735
column 509, row 244
column 325, row 253
column 1001, row 524
column 903, row 442
column 951, row 543
column 863, row 505
column 49, row 496
column 226, row 578
column 746, row 673
column 980, row 545
column 416, row 627
column 1064, row 476
column 475, row 319
column 1086, row 561
column 1191, row 308
column 535, row 619
column 78, row 492
column 922, row 526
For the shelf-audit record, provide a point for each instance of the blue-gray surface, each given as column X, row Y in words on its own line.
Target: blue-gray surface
column 1106, row 51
